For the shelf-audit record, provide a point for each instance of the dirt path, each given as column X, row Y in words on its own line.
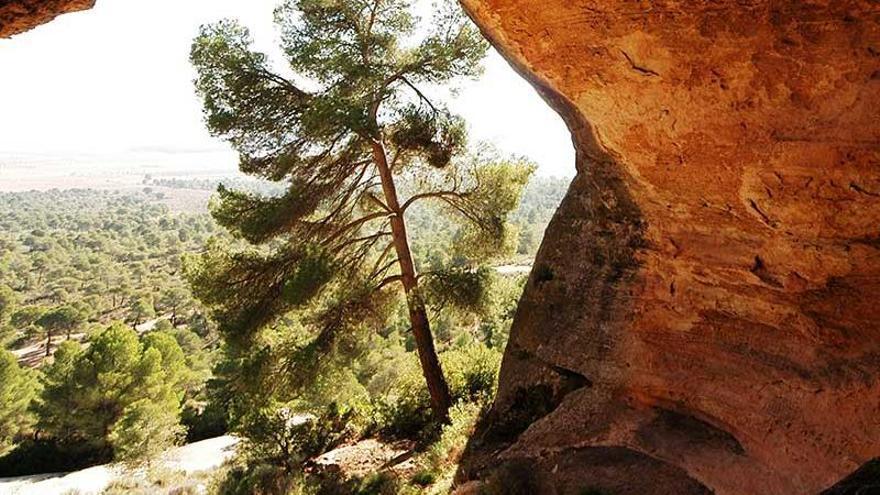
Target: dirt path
column 358, row 459
column 192, row 458
column 368, row 456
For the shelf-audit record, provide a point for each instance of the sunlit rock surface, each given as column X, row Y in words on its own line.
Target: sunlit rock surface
column 704, row 314
column 18, row 16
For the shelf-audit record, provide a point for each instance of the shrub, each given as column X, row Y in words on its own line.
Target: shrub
column 145, row 429
column 378, row 484
column 205, row 422
column 255, row 479
column 439, row 462
column 404, row 408
column 472, row 371
column 277, row 436
column 49, row 456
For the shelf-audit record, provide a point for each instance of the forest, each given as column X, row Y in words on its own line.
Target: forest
column 99, row 275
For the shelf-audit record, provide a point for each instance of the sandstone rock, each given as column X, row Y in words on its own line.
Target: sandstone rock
column 18, row 16
column 705, row 302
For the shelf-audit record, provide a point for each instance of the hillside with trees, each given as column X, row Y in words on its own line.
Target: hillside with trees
column 347, row 290
column 98, row 263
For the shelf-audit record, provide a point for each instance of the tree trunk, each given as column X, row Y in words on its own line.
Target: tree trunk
column 48, row 342
column 441, row 399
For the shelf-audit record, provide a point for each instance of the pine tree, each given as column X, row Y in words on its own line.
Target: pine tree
column 17, row 388
column 8, row 304
column 121, row 396
column 61, row 319
column 353, row 120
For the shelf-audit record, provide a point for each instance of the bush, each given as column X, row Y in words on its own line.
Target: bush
column 472, row 375
column 472, row 371
column 255, row 479
column 404, row 409
column 203, row 423
column 49, row 456
column 439, row 462
column 277, row 436
column 144, row 431
column 378, row 484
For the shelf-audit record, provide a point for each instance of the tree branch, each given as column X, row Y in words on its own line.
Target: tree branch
column 419, row 93
column 357, row 223
column 357, row 240
column 435, row 194
column 389, row 280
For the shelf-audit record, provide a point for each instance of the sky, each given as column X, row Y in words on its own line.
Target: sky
column 114, row 85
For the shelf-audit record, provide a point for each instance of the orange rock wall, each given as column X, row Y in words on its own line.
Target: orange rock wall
column 18, row 16
column 708, row 295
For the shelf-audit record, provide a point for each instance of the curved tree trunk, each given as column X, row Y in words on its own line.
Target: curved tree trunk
column 441, row 399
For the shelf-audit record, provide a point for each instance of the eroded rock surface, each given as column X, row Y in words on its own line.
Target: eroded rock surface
column 18, row 16
column 707, row 299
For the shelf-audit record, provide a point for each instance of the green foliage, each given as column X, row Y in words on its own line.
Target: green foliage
column 61, row 319
column 279, row 436
column 438, row 137
column 461, row 288
column 472, row 371
column 58, row 400
column 497, row 192
column 145, row 430
column 94, row 251
column 120, row 395
column 176, row 300
column 26, row 316
column 250, row 288
column 9, row 301
column 17, row 388
column 258, row 218
column 140, row 309
column 256, row 479
column 437, row 465
column 403, row 407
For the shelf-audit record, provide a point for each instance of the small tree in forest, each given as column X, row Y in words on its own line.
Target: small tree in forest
column 140, row 309
column 175, row 301
column 8, row 305
column 354, row 121
column 17, row 388
column 121, row 396
column 61, row 319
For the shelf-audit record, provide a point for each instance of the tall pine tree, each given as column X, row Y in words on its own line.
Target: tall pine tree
column 351, row 120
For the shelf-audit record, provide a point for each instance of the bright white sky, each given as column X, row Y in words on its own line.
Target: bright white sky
column 115, row 82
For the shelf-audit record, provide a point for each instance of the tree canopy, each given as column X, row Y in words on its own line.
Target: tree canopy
column 61, row 319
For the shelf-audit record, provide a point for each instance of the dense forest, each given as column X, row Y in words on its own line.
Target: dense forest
column 100, row 275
